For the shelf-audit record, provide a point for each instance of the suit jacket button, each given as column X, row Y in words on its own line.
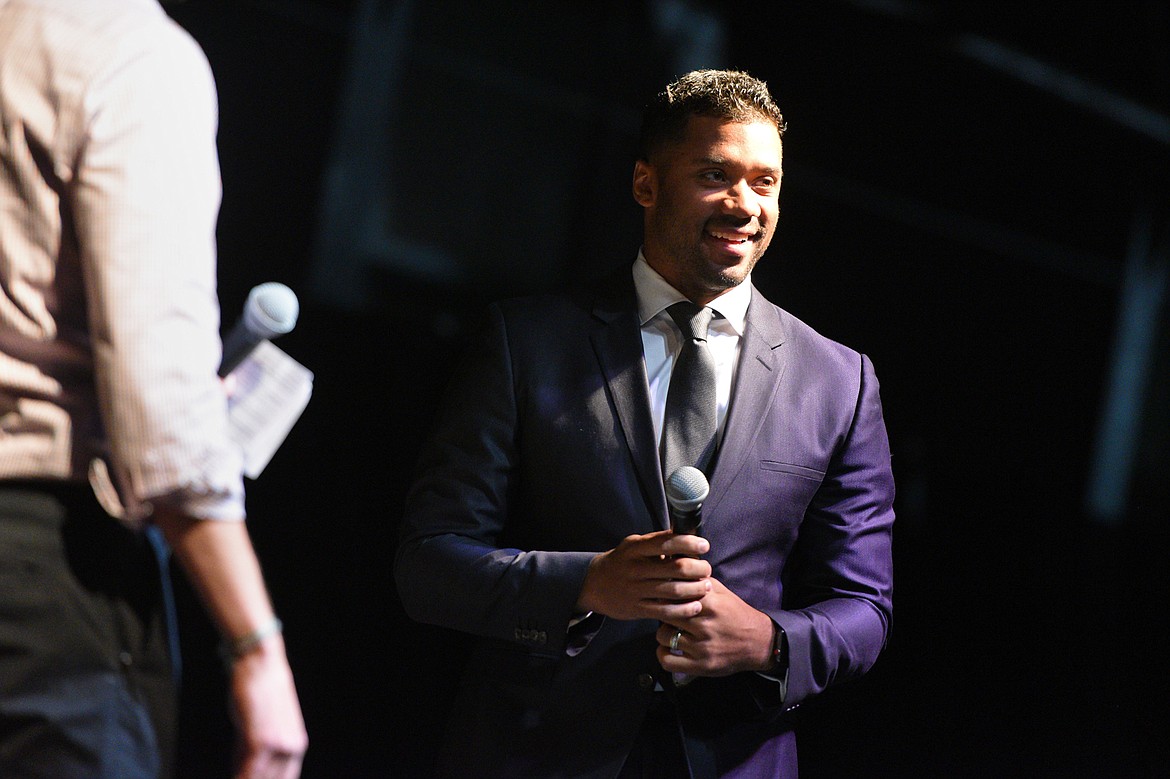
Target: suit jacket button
column 646, row 682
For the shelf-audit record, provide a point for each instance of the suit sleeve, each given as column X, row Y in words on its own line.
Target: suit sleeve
column 838, row 584
column 452, row 568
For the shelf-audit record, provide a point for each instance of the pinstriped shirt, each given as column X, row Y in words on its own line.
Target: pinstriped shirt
column 109, row 193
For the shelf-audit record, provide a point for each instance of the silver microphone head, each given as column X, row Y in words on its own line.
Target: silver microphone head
column 687, row 488
column 271, row 310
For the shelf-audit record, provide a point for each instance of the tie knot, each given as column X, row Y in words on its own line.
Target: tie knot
column 691, row 319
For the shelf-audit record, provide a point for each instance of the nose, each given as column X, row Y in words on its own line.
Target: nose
column 741, row 200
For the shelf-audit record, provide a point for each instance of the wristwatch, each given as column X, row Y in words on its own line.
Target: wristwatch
column 779, row 648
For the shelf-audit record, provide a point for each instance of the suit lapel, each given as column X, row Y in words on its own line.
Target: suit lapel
column 756, row 381
column 618, row 345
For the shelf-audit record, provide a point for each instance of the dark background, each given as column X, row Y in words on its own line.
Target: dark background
column 964, row 184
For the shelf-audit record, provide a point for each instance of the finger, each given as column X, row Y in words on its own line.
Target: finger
column 679, row 590
column 720, row 587
column 665, row 635
column 691, row 568
column 674, row 612
column 675, row 663
column 685, row 545
column 635, row 541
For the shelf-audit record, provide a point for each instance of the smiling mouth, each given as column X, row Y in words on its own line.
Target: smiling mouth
column 732, row 237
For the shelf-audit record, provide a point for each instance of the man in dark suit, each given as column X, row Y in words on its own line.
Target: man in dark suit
column 607, row 645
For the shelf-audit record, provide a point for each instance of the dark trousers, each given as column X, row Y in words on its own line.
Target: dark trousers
column 658, row 751
column 87, row 684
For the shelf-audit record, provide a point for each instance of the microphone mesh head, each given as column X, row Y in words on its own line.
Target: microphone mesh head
column 687, row 488
column 271, row 309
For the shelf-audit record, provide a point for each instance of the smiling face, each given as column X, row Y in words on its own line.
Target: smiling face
column 711, row 202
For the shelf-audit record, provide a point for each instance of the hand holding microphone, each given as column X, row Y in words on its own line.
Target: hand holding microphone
column 686, row 489
column 727, row 635
column 264, row 401
column 660, row 575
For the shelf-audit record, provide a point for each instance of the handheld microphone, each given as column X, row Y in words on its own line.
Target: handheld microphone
column 270, row 310
column 686, row 489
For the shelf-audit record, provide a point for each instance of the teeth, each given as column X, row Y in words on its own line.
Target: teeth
column 734, row 237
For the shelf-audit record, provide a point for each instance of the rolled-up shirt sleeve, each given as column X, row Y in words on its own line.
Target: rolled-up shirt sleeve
column 145, row 200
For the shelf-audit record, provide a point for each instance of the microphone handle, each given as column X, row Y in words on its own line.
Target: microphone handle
column 686, row 522
column 237, row 346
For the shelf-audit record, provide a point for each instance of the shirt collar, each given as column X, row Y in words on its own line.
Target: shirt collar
column 655, row 294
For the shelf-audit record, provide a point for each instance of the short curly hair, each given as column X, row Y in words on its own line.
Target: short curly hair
column 731, row 95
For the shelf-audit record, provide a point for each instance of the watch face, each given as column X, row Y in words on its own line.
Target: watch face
column 778, row 646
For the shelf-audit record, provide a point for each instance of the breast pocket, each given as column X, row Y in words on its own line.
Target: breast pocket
column 790, row 485
column 802, row 471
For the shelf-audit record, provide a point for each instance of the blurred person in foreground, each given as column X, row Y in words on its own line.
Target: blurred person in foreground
column 604, row 643
column 113, row 422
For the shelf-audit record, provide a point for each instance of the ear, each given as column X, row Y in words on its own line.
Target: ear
column 645, row 184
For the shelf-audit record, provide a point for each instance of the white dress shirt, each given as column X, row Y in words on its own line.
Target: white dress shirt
column 662, row 340
column 109, row 320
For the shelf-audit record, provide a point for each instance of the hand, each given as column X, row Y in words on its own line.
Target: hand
column 655, row 576
column 727, row 636
column 267, row 715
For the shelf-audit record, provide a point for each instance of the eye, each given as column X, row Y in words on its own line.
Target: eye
column 713, row 176
column 766, row 185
